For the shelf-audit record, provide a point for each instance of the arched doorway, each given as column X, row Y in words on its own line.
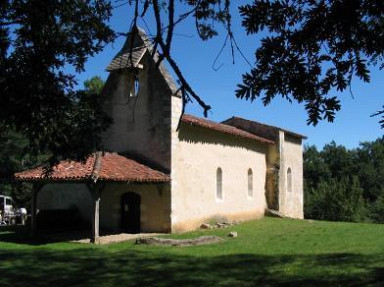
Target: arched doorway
column 130, row 212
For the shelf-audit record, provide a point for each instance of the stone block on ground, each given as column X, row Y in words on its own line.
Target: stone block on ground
column 205, row 226
column 273, row 213
column 179, row 242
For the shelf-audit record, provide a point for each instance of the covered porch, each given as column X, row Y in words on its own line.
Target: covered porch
column 108, row 190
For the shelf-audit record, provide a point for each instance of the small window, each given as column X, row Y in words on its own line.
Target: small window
column 289, row 179
column 135, row 88
column 219, row 184
column 250, row 183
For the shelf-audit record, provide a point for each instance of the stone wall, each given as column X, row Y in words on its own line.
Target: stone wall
column 195, row 159
column 272, row 177
column 291, row 156
column 155, row 206
column 141, row 124
column 65, row 196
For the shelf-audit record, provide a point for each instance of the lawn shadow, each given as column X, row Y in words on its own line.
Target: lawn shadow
column 20, row 234
column 99, row 266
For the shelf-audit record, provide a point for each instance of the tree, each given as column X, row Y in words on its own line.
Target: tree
column 377, row 210
column 340, row 161
column 15, row 153
column 38, row 99
column 370, row 168
column 313, row 47
column 316, row 169
column 94, row 85
column 14, row 156
column 336, row 200
column 335, row 175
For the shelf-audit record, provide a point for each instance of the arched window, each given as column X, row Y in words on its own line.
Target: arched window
column 250, row 183
column 289, row 179
column 135, row 87
column 219, row 183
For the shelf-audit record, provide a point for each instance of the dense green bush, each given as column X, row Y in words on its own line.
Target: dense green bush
column 377, row 210
column 345, row 185
column 336, row 200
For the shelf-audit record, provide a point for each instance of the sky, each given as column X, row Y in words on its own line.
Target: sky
column 195, row 58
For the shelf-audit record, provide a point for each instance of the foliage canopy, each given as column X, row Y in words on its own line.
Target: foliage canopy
column 94, row 85
column 313, row 48
column 39, row 40
column 312, row 51
column 342, row 184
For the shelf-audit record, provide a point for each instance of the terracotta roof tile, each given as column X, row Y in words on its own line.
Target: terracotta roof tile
column 111, row 167
column 192, row 120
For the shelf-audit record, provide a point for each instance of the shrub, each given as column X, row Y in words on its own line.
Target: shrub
column 336, row 200
column 376, row 212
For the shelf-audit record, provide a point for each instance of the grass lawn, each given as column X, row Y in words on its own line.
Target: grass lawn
column 267, row 252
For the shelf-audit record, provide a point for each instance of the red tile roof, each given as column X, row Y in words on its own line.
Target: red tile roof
column 192, row 120
column 99, row 166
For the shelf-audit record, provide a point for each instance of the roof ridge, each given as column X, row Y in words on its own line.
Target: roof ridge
column 100, row 166
column 125, row 58
column 266, row 125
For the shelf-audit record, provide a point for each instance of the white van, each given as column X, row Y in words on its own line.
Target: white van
column 8, row 214
column 6, row 205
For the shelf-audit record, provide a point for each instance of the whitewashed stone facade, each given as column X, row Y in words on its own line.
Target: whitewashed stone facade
column 147, row 125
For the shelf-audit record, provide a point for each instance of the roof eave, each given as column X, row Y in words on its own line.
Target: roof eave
column 250, row 137
column 297, row 135
column 86, row 180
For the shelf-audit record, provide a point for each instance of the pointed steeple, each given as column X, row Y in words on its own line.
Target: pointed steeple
column 135, row 46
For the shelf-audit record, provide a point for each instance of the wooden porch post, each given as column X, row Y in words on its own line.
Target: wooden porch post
column 95, row 237
column 36, row 188
column 95, row 190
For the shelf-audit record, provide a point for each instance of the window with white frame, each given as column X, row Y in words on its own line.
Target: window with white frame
column 219, row 184
column 250, row 183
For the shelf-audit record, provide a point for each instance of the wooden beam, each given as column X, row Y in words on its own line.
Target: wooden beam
column 95, row 189
column 95, row 237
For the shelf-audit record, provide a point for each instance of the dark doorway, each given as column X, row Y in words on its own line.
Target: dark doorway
column 130, row 212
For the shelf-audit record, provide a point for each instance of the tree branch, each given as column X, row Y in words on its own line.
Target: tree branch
column 165, row 47
column 8, row 23
column 171, row 11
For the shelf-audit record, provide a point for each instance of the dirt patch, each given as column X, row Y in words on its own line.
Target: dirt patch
column 115, row 238
column 202, row 240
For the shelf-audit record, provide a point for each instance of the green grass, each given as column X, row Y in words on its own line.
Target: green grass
column 268, row 252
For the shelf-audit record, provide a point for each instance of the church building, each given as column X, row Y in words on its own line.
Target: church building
column 165, row 171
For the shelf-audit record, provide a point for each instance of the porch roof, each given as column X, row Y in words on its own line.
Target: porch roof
column 100, row 166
